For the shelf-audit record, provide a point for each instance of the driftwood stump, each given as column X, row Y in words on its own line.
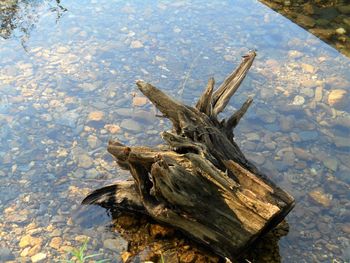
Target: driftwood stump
column 199, row 182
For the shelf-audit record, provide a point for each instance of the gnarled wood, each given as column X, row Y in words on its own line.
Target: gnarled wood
column 200, row 183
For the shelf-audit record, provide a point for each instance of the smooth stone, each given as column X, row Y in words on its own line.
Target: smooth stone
column 62, row 50
column 308, row 92
column 85, row 161
column 139, row 101
column 6, row 254
column 305, row 21
column 112, row 128
column 309, row 83
column 115, row 244
column 38, row 257
column 341, row 141
column 308, row 135
column 320, row 197
column 34, row 250
column 92, row 173
column 159, row 231
column 29, row 241
column 252, row 136
column 295, row 54
column 308, row 68
column 343, row 121
column 298, row 100
column 322, row 22
column 327, row 12
column 304, row 124
column 346, row 228
column 303, row 154
column 93, row 141
column 56, row 242
column 69, row 119
column 136, row 44
column 266, row 116
column 286, row 123
column 125, row 112
column 95, row 116
column 323, row 32
column 344, row 9
column 340, row 31
column 288, row 158
column 337, row 98
column 25, row 252
column 331, row 164
column 131, row 125
column 346, row 21
column 318, row 93
column 256, row 158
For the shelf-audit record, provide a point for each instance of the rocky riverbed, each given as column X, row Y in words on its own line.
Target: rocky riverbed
column 68, row 87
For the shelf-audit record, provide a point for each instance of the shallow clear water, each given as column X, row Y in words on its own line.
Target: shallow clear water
column 67, row 74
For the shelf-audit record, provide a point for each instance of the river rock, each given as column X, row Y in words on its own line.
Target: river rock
column 302, row 154
column 29, row 241
column 341, row 141
column 112, row 128
column 320, row 197
column 298, row 100
column 308, row 135
column 323, row 32
column 93, row 141
column 139, row 101
column 340, row 31
column 84, row 161
column 295, row 54
column 318, row 93
column 131, row 125
column 115, row 244
column 308, row 68
column 56, row 242
column 68, row 118
column 95, row 116
column 305, row 21
column 337, row 98
column 331, row 163
column 159, row 231
column 38, row 257
column 346, row 228
column 62, row 50
column 344, row 9
column 6, row 254
column 136, row 44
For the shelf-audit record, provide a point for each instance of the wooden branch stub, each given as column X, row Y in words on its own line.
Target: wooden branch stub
column 231, row 84
column 201, row 182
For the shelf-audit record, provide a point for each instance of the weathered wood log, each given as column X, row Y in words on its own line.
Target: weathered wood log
column 200, row 182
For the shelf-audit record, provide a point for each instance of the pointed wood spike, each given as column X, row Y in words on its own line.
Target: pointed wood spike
column 233, row 121
column 223, row 94
column 204, row 103
column 168, row 106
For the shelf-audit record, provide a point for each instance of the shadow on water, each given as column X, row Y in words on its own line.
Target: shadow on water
column 19, row 17
column 143, row 239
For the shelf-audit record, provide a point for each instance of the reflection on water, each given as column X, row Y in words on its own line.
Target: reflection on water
column 73, row 89
column 18, row 17
column 328, row 20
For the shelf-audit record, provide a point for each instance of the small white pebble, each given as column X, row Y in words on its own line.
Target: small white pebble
column 340, row 31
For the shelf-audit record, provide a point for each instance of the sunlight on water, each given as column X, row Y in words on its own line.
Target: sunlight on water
column 67, row 74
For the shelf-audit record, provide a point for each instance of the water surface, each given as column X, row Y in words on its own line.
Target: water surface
column 67, row 73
